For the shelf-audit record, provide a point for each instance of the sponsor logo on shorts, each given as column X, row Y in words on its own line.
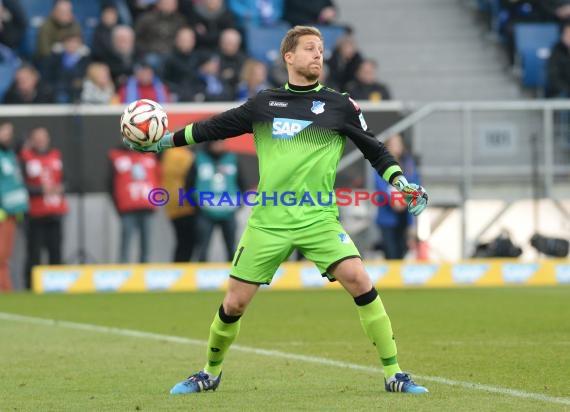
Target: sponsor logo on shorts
column 344, row 238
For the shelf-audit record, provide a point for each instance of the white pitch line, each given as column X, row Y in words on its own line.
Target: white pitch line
column 277, row 354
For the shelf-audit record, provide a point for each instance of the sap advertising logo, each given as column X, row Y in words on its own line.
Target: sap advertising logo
column 287, row 128
column 468, row 273
column 161, row 279
column 110, row 280
column 518, row 272
column 563, row 273
column 376, row 272
column 211, row 278
column 58, row 281
column 311, row 278
column 418, row 274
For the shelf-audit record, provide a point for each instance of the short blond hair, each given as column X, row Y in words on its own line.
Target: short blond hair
column 291, row 39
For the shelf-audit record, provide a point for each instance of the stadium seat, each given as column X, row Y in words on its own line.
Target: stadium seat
column 87, row 14
column 7, row 72
column 533, row 42
column 36, row 12
column 36, row 8
column 330, row 36
column 263, row 43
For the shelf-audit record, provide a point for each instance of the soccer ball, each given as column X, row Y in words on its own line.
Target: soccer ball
column 144, row 122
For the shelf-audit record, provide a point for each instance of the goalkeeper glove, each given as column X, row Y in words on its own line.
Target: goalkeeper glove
column 415, row 196
column 166, row 142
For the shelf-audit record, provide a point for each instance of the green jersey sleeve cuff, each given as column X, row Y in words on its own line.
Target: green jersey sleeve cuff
column 392, row 172
column 188, row 134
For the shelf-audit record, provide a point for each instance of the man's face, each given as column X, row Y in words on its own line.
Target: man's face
column 39, row 139
column 26, row 80
column 63, row 12
column 307, row 58
column 566, row 36
column 185, row 40
column 6, row 133
column 144, row 75
column 124, row 41
column 366, row 73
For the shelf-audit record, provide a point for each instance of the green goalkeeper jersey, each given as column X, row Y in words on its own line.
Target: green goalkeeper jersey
column 299, row 135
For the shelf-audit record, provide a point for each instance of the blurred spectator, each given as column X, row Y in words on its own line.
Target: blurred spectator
column 210, row 87
column 58, row 25
column 66, row 68
column 256, row 12
column 121, row 57
column 232, row 58
column 513, row 12
column 558, row 69
column 393, row 218
column 365, row 86
column 44, row 176
column 308, row 13
column 27, row 88
column 133, row 176
column 102, row 43
column 181, row 65
column 344, row 62
column 560, row 9
column 144, row 84
column 175, row 173
column 253, row 79
column 278, row 72
column 156, row 30
column 209, row 18
column 216, row 172
column 98, row 86
column 13, row 23
column 139, row 7
column 13, row 201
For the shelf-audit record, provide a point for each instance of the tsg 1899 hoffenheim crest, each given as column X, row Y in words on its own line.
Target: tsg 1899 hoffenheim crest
column 318, row 107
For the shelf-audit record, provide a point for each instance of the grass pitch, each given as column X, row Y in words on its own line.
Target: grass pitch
column 475, row 349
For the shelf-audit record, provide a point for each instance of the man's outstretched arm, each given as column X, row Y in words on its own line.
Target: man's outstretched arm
column 380, row 158
column 231, row 123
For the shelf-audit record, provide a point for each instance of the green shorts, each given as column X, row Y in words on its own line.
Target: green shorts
column 261, row 251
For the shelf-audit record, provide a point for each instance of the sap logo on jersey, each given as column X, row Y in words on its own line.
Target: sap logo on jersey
column 287, row 128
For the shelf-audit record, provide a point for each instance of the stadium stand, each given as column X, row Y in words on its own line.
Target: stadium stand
column 36, row 12
column 263, row 42
column 533, row 43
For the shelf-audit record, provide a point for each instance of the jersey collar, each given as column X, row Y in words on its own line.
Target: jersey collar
column 303, row 89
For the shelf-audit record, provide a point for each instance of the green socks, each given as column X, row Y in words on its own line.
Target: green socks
column 376, row 324
column 223, row 331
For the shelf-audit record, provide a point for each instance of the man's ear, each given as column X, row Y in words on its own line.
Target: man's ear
column 288, row 57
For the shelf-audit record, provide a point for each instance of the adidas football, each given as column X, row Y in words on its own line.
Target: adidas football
column 144, row 122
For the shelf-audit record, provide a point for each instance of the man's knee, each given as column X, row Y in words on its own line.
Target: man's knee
column 234, row 305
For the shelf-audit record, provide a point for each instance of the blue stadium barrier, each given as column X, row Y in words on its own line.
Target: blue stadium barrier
column 533, row 42
column 263, row 43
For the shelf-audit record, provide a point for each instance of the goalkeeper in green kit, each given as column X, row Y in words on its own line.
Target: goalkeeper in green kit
column 299, row 132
